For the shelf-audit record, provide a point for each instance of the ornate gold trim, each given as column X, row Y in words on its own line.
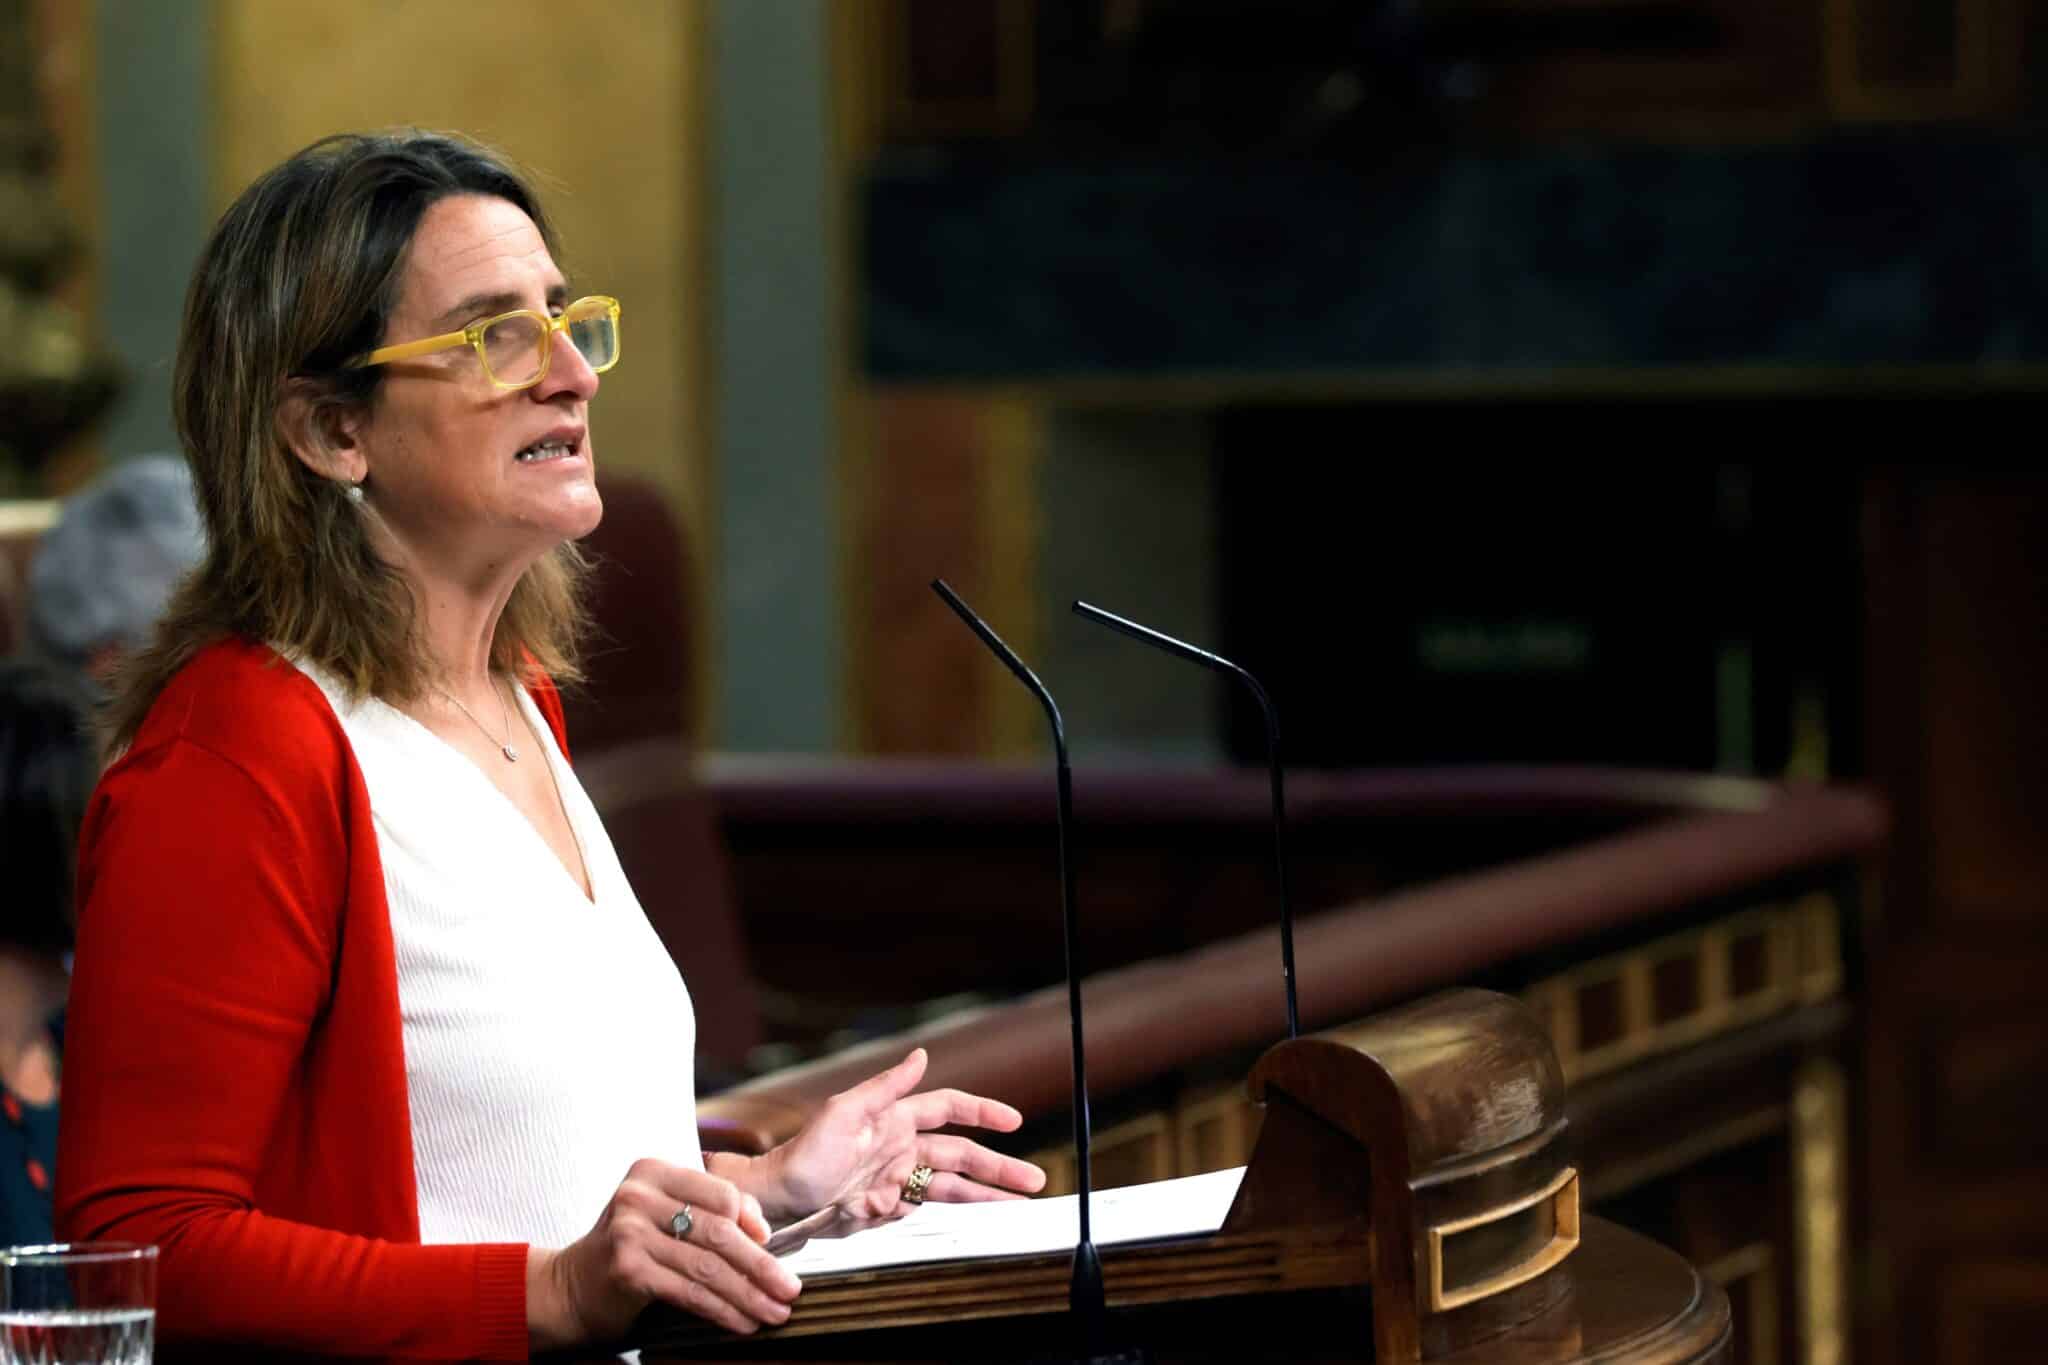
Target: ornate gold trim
column 1819, row 1209
column 1801, row 964
column 1563, row 1196
column 1820, row 946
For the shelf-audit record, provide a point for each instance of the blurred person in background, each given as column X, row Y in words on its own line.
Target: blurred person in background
column 97, row 585
column 47, row 766
column 102, row 574
column 367, row 1027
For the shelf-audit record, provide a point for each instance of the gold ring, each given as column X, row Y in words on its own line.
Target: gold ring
column 914, row 1188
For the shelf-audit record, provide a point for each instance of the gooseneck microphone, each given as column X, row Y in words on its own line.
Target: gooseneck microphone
column 1183, row 649
column 1084, row 1295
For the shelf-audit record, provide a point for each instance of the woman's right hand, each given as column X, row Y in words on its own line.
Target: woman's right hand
column 593, row 1289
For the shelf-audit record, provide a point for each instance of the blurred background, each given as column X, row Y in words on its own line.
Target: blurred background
column 1625, row 385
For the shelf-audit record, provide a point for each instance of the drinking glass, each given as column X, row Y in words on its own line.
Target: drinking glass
column 82, row 1303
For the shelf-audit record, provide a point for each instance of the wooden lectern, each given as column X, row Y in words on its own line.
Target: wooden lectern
column 1411, row 1197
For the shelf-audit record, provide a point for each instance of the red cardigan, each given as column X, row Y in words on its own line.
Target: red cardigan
column 234, row 1070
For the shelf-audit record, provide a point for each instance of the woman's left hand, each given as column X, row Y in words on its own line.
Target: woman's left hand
column 847, row 1168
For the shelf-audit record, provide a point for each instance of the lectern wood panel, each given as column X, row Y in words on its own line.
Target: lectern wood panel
column 1415, row 1164
column 1715, row 938
column 1633, row 1303
column 1404, row 1155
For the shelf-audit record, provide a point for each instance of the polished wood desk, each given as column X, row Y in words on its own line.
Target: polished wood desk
column 1689, row 969
column 1633, row 1301
column 1412, row 1197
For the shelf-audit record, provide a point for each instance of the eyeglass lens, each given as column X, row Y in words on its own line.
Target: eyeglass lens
column 514, row 346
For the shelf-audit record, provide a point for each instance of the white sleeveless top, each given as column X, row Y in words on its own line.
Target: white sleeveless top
column 548, row 1038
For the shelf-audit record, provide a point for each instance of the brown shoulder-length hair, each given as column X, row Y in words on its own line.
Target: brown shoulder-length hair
column 299, row 277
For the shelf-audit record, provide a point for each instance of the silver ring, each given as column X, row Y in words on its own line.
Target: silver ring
column 679, row 1226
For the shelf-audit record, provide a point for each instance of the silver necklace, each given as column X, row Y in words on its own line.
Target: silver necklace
column 505, row 744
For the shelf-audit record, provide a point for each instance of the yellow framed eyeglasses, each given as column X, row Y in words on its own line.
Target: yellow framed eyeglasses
column 515, row 348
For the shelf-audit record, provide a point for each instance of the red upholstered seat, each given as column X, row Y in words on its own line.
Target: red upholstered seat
column 640, row 684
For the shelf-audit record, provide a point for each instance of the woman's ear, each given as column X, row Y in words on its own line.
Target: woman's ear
column 320, row 432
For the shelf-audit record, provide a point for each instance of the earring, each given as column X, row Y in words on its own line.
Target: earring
column 354, row 492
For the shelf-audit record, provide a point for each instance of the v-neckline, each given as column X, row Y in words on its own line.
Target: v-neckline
column 544, row 736
column 544, row 739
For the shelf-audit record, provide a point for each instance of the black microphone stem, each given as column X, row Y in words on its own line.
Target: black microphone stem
column 1147, row 635
column 1086, row 1292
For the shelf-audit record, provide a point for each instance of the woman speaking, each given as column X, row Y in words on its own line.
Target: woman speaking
column 368, row 1032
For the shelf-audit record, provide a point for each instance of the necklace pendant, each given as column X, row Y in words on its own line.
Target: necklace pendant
column 511, row 754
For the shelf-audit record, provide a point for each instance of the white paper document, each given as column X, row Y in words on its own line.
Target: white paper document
column 1192, row 1206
